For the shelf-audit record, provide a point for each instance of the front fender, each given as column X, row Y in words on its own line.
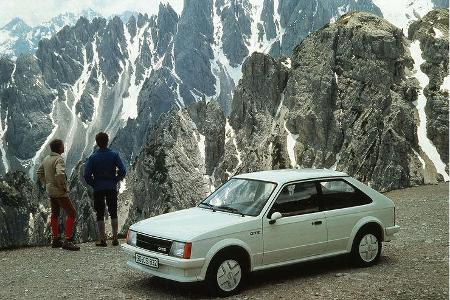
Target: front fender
column 221, row 245
column 359, row 225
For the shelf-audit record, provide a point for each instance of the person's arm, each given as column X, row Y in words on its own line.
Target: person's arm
column 60, row 174
column 121, row 168
column 88, row 174
column 41, row 175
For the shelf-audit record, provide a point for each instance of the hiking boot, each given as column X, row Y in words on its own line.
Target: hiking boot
column 68, row 245
column 115, row 242
column 57, row 243
column 101, row 243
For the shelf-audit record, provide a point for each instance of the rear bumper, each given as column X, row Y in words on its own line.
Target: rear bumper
column 173, row 268
column 389, row 232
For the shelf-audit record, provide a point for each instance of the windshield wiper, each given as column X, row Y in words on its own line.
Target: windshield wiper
column 209, row 206
column 230, row 209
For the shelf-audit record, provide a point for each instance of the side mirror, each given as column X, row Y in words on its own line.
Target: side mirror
column 275, row 216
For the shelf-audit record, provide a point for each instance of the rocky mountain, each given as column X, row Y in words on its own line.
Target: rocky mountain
column 119, row 77
column 17, row 37
column 429, row 49
column 348, row 100
column 189, row 105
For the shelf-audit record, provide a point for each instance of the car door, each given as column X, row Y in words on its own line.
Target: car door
column 344, row 205
column 301, row 231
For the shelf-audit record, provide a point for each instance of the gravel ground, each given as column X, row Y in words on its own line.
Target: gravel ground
column 415, row 266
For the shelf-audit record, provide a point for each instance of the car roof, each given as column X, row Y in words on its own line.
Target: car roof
column 288, row 175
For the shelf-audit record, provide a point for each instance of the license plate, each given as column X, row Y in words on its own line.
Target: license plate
column 146, row 260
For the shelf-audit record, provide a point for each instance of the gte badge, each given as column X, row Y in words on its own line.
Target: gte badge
column 163, row 249
column 255, row 232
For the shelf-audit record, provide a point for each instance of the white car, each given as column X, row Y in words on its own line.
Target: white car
column 263, row 220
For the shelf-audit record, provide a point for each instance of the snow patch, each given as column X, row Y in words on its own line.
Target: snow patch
column 424, row 142
column 419, row 158
column 338, row 158
column 291, row 140
column 30, row 225
column 77, row 91
column 129, row 107
column 287, row 63
column 277, row 114
column 231, row 134
column 220, row 62
column 445, row 84
column 201, row 145
column 437, row 33
column 3, row 129
column 47, row 141
column 123, row 186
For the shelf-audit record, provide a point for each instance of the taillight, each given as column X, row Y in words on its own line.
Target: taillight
column 187, row 250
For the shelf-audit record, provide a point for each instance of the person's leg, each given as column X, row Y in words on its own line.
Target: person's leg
column 70, row 211
column 54, row 206
column 111, row 201
column 99, row 206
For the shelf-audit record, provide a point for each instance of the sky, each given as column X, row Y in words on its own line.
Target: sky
column 34, row 12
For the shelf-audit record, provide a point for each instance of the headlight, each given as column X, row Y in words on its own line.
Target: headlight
column 131, row 237
column 181, row 250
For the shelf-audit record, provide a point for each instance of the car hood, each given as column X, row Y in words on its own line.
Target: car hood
column 186, row 224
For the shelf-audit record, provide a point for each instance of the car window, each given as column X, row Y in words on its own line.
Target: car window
column 338, row 194
column 243, row 196
column 296, row 199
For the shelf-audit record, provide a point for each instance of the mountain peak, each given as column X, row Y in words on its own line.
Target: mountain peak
column 16, row 25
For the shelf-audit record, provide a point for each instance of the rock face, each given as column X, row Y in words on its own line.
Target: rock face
column 300, row 18
column 171, row 171
column 350, row 103
column 432, row 34
column 119, row 76
column 347, row 99
column 23, row 213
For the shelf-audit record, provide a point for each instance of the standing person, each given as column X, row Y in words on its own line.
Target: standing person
column 52, row 174
column 104, row 169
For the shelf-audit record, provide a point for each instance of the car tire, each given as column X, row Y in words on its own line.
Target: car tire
column 366, row 248
column 225, row 275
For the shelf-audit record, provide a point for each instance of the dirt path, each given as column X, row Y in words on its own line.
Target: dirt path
column 415, row 266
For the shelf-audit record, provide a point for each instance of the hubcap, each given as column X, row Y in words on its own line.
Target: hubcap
column 368, row 247
column 229, row 275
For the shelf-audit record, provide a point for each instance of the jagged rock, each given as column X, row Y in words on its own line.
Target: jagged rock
column 301, row 18
column 432, row 33
column 170, row 172
column 24, row 212
column 349, row 104
column 96, row 74
column 82, row 198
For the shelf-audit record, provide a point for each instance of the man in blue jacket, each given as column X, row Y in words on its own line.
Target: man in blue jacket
column 103, row 170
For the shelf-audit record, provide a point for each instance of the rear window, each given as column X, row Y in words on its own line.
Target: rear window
column 338, row 194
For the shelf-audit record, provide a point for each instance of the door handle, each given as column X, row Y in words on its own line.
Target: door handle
column 316, row 223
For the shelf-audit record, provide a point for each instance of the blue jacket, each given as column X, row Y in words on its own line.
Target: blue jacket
column 104, row 169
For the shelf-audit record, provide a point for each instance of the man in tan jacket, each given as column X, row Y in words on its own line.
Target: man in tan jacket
column 52, row 174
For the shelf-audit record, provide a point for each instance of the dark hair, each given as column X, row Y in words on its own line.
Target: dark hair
column 102, row 139
column 56, row 145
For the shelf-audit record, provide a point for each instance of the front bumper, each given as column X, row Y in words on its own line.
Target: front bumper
column 173, row 268
column 389, row 232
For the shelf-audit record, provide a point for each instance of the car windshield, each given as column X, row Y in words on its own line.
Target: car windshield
column 241, row 196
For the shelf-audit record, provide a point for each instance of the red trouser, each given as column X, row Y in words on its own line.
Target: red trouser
column 69, row 209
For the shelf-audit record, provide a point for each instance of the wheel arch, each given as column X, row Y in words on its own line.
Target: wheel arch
column 363, row 224
column 228, row 246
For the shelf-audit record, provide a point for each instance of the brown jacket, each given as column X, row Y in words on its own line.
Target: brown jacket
column 52, row 174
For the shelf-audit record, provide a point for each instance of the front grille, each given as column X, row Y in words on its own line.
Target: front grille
column 153, row 243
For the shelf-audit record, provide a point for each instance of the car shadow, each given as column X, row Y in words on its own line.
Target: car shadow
column 274, row 276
